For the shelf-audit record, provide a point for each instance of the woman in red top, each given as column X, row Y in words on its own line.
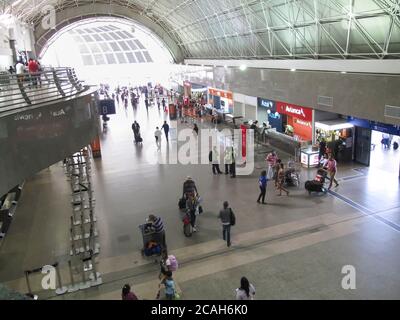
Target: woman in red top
column 332, row 169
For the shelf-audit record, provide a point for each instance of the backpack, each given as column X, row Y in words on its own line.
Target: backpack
column 174, row 263
column 233, row 218
column 182, row 203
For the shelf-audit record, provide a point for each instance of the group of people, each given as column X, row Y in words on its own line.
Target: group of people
column 229, row 161
column 276, row 172
column 31, row 69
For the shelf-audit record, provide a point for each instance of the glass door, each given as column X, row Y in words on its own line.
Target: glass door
column 363, row 146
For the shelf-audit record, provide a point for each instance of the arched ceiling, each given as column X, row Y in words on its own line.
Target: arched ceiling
column 256, row 29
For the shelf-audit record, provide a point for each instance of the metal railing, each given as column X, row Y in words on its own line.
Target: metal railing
column 27, row 89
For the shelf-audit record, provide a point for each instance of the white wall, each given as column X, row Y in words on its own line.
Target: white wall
column 245, row 106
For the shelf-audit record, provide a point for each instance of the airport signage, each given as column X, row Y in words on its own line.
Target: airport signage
column 293, row 110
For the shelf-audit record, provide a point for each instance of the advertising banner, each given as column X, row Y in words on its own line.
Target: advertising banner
column 244, row 136
column 293, row 110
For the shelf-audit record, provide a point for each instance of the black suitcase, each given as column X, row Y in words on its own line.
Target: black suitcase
column 395, row 145
column 313, row 186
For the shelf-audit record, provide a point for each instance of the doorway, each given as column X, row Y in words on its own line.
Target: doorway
column 385, row 153
column 362, row 146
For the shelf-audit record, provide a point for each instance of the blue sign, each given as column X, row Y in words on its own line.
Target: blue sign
column 265, row 103
column 107, row 106
column 377, row 126
column 267, row 110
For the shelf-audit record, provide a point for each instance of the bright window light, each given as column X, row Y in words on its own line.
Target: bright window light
column 243, row 67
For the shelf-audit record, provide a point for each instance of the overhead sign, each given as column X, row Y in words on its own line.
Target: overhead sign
column 220, row 93
column 265, row 103
column 294, row 110
column 377, row 126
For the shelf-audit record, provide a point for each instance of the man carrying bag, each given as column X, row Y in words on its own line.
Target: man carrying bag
column 228, row 219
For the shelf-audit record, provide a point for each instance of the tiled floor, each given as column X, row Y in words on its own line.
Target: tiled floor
column 292, row 248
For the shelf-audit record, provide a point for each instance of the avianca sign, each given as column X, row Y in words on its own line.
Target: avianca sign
column 294, row 111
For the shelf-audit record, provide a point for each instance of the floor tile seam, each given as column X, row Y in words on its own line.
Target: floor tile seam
column 284, row 249
column 365, row 211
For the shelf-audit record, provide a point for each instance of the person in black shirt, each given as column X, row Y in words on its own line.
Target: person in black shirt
column 166, row 130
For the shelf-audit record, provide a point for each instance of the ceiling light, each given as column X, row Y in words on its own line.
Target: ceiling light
column 243, row 67
column 293, row 69
column 343, row 72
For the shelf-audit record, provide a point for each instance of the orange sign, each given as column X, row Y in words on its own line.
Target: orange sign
column 96, row 148
column 221, row 93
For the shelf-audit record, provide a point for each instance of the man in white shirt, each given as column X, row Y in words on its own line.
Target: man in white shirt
column 158, row 134
column 20, row 70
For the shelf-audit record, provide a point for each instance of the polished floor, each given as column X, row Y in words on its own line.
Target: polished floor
column 292, row 248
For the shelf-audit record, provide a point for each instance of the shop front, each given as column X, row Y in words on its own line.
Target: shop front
column 221, row 100
column 339, row 137
column 297, row 121
column 267, row 114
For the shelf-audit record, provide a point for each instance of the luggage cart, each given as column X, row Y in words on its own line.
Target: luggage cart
column 149, row 235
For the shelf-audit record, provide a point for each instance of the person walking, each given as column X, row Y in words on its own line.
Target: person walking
column 271, row 160
column 322, row 149
column 276, row 169
column 332, row 170
column 227, row 160
column 232, row 166
column 169, row 284
column 163, row 102
column 127, row 294
column 146, row 102
column 262, row 183
column 33, row 69
column 192, row 206
column 165, row 126
column 227, row 218
column 136, row 131
column 281, row 180
column 157, row 135
column 213, row 156
column 196, row 129
column 246, row 291
column 158, row 103
column 20, row 70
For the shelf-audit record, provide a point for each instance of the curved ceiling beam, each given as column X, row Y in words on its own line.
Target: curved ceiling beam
column 73, row 14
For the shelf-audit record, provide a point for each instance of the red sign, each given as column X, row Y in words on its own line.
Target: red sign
column 244, row 136
column 294, row 110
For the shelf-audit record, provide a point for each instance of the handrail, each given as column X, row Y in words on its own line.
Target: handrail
column 27, row 89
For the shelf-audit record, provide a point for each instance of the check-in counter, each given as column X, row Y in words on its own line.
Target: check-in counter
column 284, row 142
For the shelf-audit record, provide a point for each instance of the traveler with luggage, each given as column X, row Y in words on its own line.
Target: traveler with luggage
column 136, row 132
column 228, row 219
column 189, row 188
column 157, row 225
